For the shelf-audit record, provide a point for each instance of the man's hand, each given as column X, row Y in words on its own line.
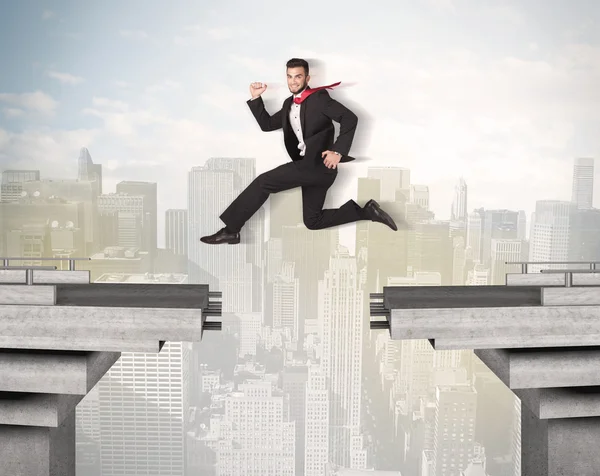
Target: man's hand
column 331, row 159
column 256, row 89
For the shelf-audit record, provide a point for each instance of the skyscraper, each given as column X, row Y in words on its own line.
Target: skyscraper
column 583, row 182
column 459, row 204
column 550, row 231
column 340, row 305
column 230, row 269
column 87, row 171
column 149, row 212
column 176, row 235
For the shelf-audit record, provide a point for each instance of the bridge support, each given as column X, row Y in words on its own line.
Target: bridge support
column 540, row 335
column 59, row 335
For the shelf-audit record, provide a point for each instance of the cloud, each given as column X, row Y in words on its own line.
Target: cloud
column 503, row 13
column 110, row 104
column 197, row 35
column 441, row 6
column 225, row 98
column 37, row 101
column 65, row 78
column 53, row 152
column 223, row 33
column 135, row 34
column 121, row 84
column 166, row 85
column 48, row 14
column 13, row 112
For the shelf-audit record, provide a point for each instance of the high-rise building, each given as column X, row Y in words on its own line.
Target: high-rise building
column 286, row 300
column 256, row 435
column 176, row 234
column 141, row 408
column 392, row 180
column 497, row 224
column 475, row 222
column 522, row 226
column 148, row 191
column 454, row 428
column 419, row 194
column 295, row 383
column 316, row 453
column 87, row 171
column 340, row 308
column 12, row 183
column 550, row 232
column 584, row 235
column 430, row 249
column 459, row 204
column 504, row 251
column 121, row 220
column 583, row 182
column 233, row 270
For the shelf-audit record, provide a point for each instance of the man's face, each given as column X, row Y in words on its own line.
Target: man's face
column 296, row 79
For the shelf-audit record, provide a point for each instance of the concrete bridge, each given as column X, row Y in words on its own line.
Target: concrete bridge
column 540, row 334
column 60, row 334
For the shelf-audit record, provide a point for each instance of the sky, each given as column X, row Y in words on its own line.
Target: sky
column 503, row 94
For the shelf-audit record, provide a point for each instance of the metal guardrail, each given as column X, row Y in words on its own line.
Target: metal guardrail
column 567, row 272
column 525, row 264
column 71, row 261
column 28, row 271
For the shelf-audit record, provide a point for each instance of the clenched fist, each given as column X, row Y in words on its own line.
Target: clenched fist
column 256, row 89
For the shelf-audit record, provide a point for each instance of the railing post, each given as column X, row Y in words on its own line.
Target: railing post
column 5, row 262
column 568, row 279
column 71, row 265
column 524, row 268
column 29, row 276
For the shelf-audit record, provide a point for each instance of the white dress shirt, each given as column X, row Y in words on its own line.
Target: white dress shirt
column 296, row 125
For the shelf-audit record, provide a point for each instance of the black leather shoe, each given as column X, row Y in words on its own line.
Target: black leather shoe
column 375, row 213
column 220, row 237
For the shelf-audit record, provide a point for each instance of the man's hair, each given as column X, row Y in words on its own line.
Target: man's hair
column 296, row 63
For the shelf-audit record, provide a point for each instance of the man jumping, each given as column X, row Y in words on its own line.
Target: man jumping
column 308, row 133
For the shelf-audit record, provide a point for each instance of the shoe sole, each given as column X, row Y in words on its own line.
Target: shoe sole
column 223, row 243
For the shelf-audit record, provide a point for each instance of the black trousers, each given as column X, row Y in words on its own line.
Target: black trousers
column 315, row 180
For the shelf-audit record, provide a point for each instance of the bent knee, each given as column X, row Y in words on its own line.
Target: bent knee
column 312, row 222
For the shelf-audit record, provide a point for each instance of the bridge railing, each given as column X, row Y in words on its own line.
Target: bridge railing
column 6, row 261
column 525, row 264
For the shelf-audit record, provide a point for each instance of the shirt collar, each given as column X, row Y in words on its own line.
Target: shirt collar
column 298, row 94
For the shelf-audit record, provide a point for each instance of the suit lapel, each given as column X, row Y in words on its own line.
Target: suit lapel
column 287, row 104
column 303, row 118
column 303, row 115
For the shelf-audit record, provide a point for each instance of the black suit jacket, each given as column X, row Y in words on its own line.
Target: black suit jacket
column 317, row 112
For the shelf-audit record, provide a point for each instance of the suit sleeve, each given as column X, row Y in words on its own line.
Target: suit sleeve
column 266, row 122
column 346, row 118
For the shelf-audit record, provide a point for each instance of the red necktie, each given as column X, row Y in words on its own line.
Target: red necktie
column 307, row 92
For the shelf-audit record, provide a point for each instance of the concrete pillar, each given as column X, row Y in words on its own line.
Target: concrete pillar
column 559, row 447
column 29, row 450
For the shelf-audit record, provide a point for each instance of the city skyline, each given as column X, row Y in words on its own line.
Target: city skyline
column 300, row 289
